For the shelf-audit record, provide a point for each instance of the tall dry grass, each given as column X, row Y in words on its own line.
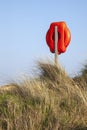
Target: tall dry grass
column 53, row 101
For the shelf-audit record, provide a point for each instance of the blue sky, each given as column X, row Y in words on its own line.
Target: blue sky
column 23, row 27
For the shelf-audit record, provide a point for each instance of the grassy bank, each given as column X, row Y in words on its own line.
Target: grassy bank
column 53, row 101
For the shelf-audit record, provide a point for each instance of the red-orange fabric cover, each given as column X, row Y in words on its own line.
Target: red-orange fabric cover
column 64, row 37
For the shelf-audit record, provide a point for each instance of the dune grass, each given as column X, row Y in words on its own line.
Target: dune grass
column 52, row 101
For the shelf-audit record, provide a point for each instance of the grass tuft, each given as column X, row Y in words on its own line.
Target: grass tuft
column 53, row 101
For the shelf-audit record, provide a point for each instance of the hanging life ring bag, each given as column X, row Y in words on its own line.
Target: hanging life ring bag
column 64, row 37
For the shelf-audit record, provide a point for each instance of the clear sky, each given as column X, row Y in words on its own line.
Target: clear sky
column 23, row 27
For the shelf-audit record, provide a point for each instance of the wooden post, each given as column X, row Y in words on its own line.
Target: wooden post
column 56, row 44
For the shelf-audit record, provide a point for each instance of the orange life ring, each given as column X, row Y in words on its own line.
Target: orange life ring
column 64, row 37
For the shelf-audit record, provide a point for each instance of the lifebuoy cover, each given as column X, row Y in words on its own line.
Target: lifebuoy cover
column 64, row 37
